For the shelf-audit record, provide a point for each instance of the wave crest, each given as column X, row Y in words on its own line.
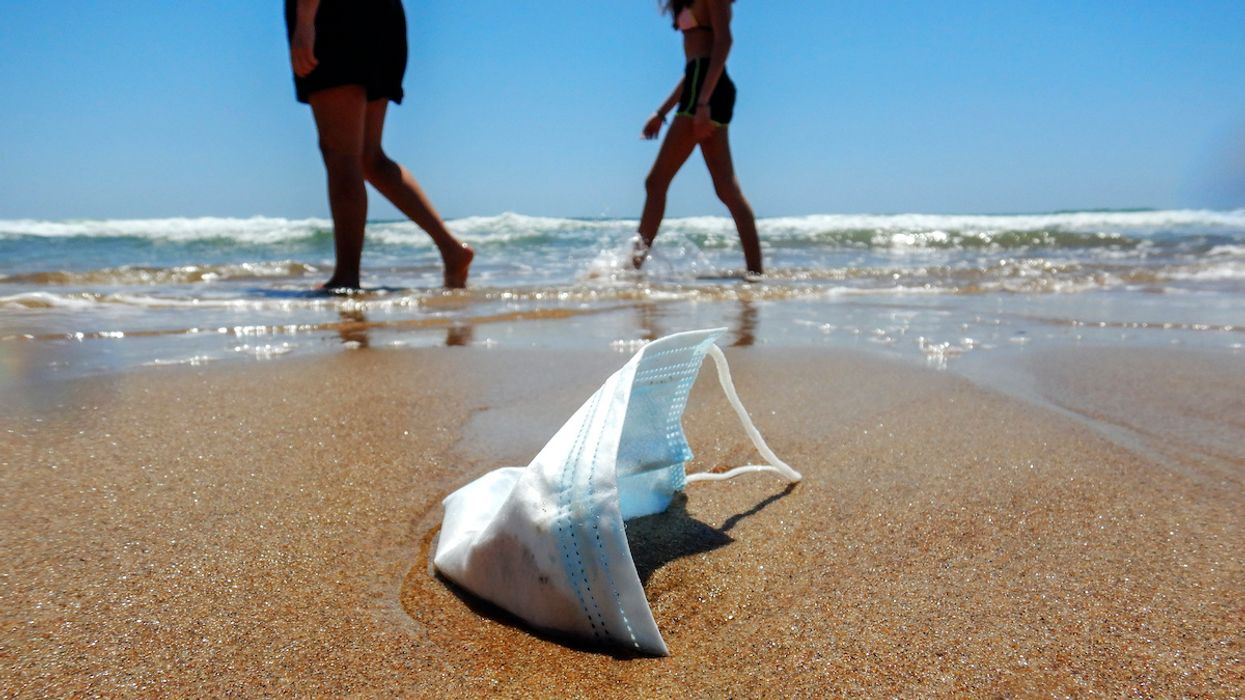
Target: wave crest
column 1071, row 230
column 184, row 274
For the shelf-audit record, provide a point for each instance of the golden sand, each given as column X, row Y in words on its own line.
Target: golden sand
column 265, row 529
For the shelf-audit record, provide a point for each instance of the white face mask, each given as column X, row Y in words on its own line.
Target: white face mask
column 547, row 541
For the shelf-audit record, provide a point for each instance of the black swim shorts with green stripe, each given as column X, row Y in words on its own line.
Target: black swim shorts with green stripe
column 358, row 42
column 721, row 102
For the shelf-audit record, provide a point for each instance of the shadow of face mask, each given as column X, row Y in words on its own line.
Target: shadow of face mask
column 547, row 542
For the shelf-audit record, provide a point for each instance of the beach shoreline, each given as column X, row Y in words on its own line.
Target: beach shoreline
column 83, row 297
column 264, row 527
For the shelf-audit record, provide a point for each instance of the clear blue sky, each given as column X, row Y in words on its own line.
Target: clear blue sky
column 151, row 108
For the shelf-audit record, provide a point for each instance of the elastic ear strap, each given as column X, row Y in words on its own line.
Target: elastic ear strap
column 775, row 464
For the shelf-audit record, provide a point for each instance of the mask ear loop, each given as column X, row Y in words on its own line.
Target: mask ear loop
column 775, row 465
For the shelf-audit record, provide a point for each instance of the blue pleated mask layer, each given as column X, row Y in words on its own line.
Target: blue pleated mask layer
column 547, row 541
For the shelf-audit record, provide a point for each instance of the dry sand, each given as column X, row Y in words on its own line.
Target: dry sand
column 265, row 529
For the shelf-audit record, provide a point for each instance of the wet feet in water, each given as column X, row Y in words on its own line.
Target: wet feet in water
column 639, row 252
column 339, row 286
column 457, row 266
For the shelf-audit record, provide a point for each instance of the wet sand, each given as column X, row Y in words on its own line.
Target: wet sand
column 265, row 528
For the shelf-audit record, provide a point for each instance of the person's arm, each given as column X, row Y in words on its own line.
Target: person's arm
column 653, row 125
column 303, row 42
column 720, row 20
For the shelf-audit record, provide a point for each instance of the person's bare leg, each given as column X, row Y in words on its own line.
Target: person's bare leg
column 717, row 152
column 679, row 144
column 339, row 113
column 398, row 186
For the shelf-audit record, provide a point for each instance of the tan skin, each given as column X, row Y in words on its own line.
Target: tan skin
column 350, row 128
column 712, row 39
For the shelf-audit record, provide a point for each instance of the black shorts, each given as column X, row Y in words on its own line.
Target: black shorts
column 721, row 103
column 358, row 42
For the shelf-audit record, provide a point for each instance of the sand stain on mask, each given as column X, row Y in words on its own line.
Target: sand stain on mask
column 547, row 542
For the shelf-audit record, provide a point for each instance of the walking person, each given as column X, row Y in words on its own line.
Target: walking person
column 705, row 98
column 349, row 57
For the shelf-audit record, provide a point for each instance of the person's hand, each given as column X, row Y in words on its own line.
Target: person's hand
column 303, row 49
column 702, row 126
column 652, row 127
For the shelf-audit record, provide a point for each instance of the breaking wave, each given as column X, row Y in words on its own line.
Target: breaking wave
column 1196, row 230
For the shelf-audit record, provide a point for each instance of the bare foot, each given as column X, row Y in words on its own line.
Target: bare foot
column 639, row 252
column 337, row 285
column 457, row 265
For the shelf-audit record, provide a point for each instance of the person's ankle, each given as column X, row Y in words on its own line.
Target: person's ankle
column 455, row 251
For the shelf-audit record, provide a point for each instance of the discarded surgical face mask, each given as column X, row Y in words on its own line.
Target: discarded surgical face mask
column 546, row 541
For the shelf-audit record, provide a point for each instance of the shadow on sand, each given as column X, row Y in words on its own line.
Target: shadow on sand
column 654, row 540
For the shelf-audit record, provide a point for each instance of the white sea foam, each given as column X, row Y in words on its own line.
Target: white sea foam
column 48, row 300
column 86, row 300
column 180, row 274
column 258, row 229
column 1234, row 270
column 1227, row 251
column 903, row 229
column 1137, row 222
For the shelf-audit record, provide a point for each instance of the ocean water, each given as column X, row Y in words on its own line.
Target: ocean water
column 86, row 296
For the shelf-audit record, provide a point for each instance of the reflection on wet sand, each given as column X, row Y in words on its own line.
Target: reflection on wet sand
column 745, row 329
column 353, row 327
column 459, row 335
column 353, row 330
column 652, row 322
column 649, row 329
column 30, row 373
